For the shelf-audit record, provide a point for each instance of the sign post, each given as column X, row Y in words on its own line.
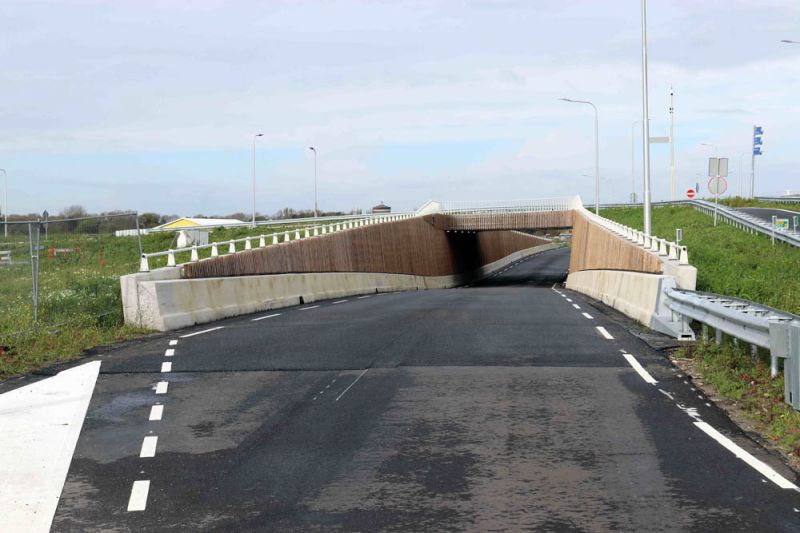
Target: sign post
column 717, row 172
column 691, row 194
column 758, row 131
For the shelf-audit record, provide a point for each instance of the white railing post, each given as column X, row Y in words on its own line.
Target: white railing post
column 274, row 238
column 194, row 258
column 338, row 227
column 316, row 231
column 662, row 247
column 654, row 244
column 171, row 258
column 307, row 234
column 323, row 230
column 262, row 242
column 214, row 250
column 143, row 264
column 231, row 247
column 684, row 259
column 247, row 245
column 297, row 234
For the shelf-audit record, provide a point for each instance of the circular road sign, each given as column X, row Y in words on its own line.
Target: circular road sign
column 717, row 186
column 690, row 193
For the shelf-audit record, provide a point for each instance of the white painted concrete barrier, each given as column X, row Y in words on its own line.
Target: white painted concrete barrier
column 162, row 301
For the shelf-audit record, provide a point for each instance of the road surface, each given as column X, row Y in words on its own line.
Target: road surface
column 510, row 405
column 766, row 213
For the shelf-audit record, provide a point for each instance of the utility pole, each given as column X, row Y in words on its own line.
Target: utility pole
column 672, row 191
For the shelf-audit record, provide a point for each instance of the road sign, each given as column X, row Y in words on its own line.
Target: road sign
column 796, row 220
column 717, row 167
column 690, row 193
column 757, row 151
column 717, row 186
column 758, row 130
column 782, row 223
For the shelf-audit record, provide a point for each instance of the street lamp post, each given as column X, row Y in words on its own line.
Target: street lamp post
column 596, row 152
column 5, row 202
column 645, row 126
column 316, row 213
column 254, row 176
column 633, row 160
column 741, row 177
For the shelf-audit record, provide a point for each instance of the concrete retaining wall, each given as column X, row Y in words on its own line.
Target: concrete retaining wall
column 164, row 303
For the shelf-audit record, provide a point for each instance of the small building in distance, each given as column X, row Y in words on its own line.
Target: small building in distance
column 381, row 208
column 197, row 223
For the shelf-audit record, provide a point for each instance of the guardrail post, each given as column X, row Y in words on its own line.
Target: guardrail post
column 330, row 229
column 214, row 250
column 662, row 248
column 171, row 258
column 194, row 258
column 143, row 264
column 262, row 242
column 673, row 252
column 274, row 238
column 323, row 230
column 231, row 247
column 297, row 235
column 316, row 231
column 654, row 244
column 684, row 260
column 247, row 245
column 784, row 342
column 286, row 237
column 338, row 227
column 307, row 234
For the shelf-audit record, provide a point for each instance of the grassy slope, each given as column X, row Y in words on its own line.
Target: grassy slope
column 735, row 263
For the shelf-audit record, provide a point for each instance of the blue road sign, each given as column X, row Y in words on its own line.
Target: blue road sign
column 758, row 130
column 757, row 150
column 757, row 141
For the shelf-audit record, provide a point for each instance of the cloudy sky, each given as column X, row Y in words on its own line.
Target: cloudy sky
column 153, row 105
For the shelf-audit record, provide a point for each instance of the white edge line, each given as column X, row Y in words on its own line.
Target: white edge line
column 268, row 316
column 762, row 468
column 604, row 333
column 362, row 297
column 639, row 369
column 353, row 383
column 307, row 308
column 201, row 332
column 340, row 302
column 138, row 499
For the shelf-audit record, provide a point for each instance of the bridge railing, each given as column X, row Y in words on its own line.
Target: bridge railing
column 243, row 244
column 512, row 206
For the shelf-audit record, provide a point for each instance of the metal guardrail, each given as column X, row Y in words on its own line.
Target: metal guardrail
column 286, row 236
column 781, row 199
column 756, row 324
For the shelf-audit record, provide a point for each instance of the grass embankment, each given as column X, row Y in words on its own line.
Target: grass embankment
column 79, row 295
column 738, row 201
column 735, row 263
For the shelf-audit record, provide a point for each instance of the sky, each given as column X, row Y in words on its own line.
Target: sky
column 152, row 106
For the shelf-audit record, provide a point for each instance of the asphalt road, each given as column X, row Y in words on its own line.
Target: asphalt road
column 766, row 214
column 495, row 407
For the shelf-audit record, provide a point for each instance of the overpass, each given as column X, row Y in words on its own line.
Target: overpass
column 441, row 245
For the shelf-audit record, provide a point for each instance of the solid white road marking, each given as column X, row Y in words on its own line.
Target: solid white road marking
column 604, row 333
column 173, row 342
column 156, row 412
column 307, row 308
column 166, row 366
column 169, row 353
column 161, row 387
column 149, row 446
column 263, row 317
column 587, row 315
column 40, row 425
column 761, row 467
column 353, row 383
column 201, row 332
column 639, row 368
column 340, row 302
column 138, row 499
column 576, row 306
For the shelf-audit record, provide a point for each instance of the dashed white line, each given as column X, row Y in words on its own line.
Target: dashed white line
column 604, row 333
column 166, row 366
column 138, row 499
column 353, row 383
column 761, row 467
column 362, row 297
column 569, row 300
column 173, row 342
column 307, row 308
column 639, row 369
column 161, row 387
column 201, row 332
column 267, row 316
column 576, row 306
column 169, row 353
column 156, row 412
column 340, row 302
column 587, row 315
column 149, row 446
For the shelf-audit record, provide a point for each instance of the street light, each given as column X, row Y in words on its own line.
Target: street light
column 5, row 202
column 645, row 127
column 741, row 183
column 254, row 176
column 596, row 153
column 316, row 214
column 633, row 160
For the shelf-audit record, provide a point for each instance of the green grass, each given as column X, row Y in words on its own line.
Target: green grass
column 79, row 304
column 729, row 261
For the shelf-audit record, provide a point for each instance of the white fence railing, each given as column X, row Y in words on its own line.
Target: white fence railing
column 233, row 246
column 511, row 206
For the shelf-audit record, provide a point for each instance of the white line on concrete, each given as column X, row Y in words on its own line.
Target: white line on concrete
column 40, row 425
column 169, row 353
column 576, row 306
column 138, row 499
column 604, row 333
column 173, row 342
column 161, row 387
column 761, row 467
column 307, row 308
column 267, row 316
column 201, row 332
column 587, row 315
column 362, row 297
column 639, row 369
column 149, row 446
column 166, row 366
column 340, row 302
column 353, row 383
column 156, row 412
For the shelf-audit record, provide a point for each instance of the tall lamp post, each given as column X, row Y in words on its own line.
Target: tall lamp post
column 645, row 127
column 596, row 152
column 316, row 213
column 633, row 160
column 741, row 176
column 5, row 202
column 254, row 176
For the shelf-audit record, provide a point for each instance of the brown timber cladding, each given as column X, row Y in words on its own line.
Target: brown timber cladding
column 498, row 221
column 412, row 246
column 596, row 248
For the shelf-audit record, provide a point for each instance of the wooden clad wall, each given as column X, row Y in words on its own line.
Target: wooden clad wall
column 596, row 248
column 412, row 246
